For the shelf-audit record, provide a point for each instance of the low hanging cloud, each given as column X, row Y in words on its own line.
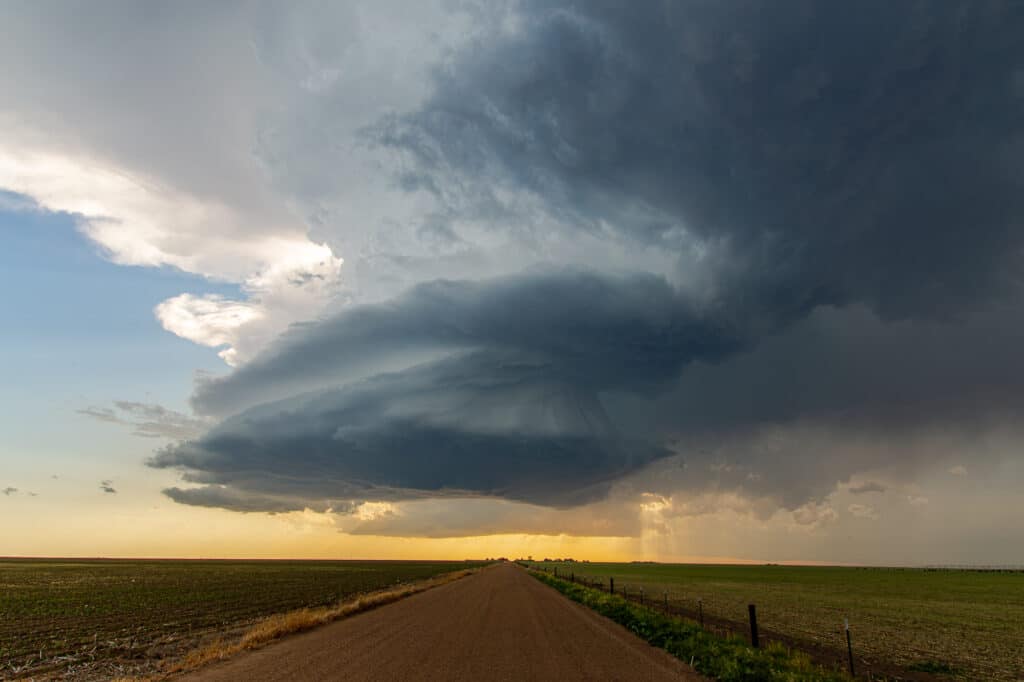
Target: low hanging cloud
column 447, row 517
column 514, row 413
column 734, row 421
column 233, row 499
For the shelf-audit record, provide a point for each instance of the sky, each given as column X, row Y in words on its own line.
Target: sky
column 677, row 281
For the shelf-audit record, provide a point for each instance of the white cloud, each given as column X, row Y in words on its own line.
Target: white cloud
column 173, row 157
column 815, row 514
column 958, row 470
column 138, row 221
column 207, row 320
column 863, row 511
column 372, row 511
column 298, row 283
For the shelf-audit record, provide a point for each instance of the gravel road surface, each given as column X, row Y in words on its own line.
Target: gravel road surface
column 499, row 624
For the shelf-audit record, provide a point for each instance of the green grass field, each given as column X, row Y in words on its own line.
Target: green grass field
column 96, row 615
column 970, row 622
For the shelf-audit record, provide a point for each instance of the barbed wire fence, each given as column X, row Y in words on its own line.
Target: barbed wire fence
column 831, row 647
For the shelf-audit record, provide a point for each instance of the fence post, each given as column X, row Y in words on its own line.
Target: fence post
column 849, row 645
column 611, row 585
column 572, row 577
column 753, row 625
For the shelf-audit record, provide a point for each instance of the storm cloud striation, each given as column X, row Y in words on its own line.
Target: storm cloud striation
column 511, row 409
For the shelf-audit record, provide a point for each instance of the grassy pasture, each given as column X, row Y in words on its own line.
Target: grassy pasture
column 919, row 621
column 728, row 659
column 95, row 615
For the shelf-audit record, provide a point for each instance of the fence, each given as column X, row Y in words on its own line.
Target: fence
column 833, row 649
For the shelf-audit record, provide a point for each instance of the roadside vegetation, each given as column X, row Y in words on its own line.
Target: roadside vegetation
column 728, row 659
column 912, row 624
column 282, row 624
column 96, row 619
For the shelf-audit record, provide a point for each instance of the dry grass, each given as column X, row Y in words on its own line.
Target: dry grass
column 282, row 624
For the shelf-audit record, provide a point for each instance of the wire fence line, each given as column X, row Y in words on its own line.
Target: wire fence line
column 874, row 659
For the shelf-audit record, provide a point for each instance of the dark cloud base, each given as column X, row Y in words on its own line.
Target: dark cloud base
column 494, row 424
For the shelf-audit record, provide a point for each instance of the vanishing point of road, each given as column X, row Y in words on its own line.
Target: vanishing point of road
column 498, row 624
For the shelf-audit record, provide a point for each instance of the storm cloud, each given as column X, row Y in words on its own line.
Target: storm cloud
column 514, row 412
column 818, row 153
column 837, row 192
column 592, row 330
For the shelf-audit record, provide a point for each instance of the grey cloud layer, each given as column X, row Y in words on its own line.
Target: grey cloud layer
column 234, row 499
column 838, row 185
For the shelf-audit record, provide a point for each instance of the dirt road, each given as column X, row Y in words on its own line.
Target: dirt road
column 500, row 624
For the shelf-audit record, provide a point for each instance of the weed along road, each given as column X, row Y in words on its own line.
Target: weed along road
column 500, row 624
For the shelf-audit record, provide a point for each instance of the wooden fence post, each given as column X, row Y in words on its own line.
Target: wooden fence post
column 611, row 585
column 849, row 645
column 753, row 625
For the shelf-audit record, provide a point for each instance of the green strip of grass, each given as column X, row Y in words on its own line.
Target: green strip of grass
column 933, row 667
column 725, row 659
